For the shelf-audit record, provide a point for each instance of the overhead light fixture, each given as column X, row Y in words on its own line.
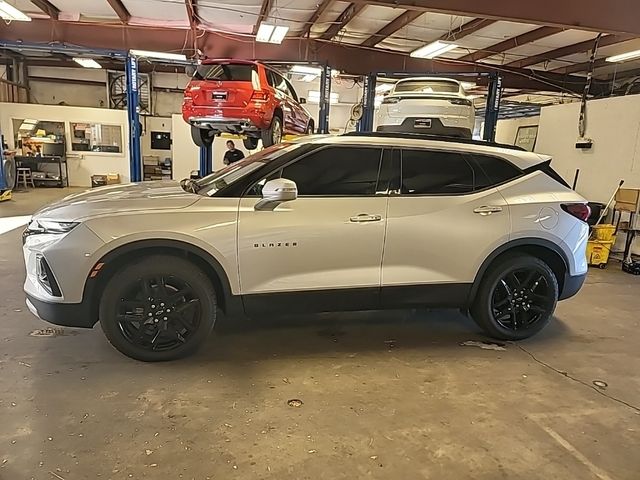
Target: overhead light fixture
column 303, row 69
column 268, row 33
column 434, row 49
column 9, row 12
column 87, row 62
column 309, row 78
column 159, row 55
column 314, row 97
column 384, row 87
column 623, row 57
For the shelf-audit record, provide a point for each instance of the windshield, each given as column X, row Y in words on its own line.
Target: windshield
column 215, row 182
column 233, row 72
column 426, row 86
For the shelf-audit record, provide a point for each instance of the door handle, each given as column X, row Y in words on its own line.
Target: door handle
column 365, row 217
column 487, row 209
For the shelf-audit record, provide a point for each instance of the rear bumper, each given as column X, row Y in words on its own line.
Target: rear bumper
column 572, row 285
column 64, row 314
column 437, row 128
column 232, row 120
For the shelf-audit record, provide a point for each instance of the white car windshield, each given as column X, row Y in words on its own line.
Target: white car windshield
column 211, row 184
column 426, row 86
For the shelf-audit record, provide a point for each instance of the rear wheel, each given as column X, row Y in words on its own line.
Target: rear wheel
column 250, row 143
column 273, row 134
column 202, row 137
column 516, row 299
column 310, row 129
column 159, row 308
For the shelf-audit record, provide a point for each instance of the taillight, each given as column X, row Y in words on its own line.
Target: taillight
column 579, row 210
column 460, row 101
column 390, row 100
column 259, row 96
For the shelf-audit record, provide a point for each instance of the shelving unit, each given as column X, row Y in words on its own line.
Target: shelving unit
column 156, row 169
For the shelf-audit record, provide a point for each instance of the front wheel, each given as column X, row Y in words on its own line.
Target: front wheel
column 516, row 299
column 159, row 308
column 273, row 134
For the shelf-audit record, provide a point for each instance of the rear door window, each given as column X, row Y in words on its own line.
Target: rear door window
column 432, row 172
column 492, row 171
column 226, row 72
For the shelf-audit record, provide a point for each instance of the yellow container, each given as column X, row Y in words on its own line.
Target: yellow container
column 598, row 252
column 604, row 232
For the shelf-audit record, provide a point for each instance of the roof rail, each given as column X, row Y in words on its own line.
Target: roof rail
column 439, row 138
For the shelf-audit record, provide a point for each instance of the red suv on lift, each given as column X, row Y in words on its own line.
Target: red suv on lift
column 246, row 98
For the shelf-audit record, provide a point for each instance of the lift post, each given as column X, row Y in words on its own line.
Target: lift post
column 325, row 100
column 135, row 161
column 492, row 108
column 206, row 160
column 368, row 103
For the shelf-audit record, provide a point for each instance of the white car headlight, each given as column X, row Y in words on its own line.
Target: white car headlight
column 49, row 226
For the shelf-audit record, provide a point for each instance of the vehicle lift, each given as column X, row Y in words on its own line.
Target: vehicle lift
column 206, row 152
column 493, row 98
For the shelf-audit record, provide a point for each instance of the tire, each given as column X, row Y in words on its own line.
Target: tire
column 310, row 129
column 153, row 330
column 273, row 134
column 516, row 298
column 250, row 143
column 202, row 137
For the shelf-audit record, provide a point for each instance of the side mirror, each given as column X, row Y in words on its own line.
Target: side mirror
column 303, row 100
column 275, row 192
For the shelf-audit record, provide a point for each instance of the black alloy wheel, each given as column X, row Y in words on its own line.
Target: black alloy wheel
column 516, row 297
column 522, row 298
column 159, row 308
column 158, row 313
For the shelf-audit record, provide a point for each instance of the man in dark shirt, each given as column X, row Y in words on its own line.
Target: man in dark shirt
column 232, row 155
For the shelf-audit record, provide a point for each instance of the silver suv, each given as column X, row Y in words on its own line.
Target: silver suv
column 351, row 222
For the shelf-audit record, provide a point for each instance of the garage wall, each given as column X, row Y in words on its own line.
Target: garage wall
column 614, row 126
column 81, row 165
column 507, row 129
column 154, row 124
column 49, row 93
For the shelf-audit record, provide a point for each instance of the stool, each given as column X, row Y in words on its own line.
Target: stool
column 24, row 177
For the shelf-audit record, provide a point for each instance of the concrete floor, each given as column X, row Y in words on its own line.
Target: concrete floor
column 385, row 395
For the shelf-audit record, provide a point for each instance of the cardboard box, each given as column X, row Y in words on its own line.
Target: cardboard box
column 102, row 180
column 628, row 199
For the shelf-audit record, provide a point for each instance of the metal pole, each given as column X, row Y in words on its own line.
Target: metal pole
column 135, row 163
column 492, row 109
column 206, row 162
column 325, row 100
column 368, row 103
column 3, row 182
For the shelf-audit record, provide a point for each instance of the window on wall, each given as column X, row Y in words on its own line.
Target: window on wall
column 96, row 137
column 426, row 172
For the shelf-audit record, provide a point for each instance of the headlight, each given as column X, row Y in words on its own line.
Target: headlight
column 49, row 226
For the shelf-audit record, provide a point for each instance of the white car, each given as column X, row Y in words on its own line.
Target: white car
column 352, row 222
column 431, row 105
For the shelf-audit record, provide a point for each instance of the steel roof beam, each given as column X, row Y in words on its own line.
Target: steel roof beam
column 122, row 12
column 398, row 23
column 510, row 43
column 320, row 9
column 581, row 47
column 345, row 17
column 48, row 8
column 265, row 9
column 617, row 16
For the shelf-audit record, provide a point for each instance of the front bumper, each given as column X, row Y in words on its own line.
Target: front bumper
column 63, row 314
column 572, row 285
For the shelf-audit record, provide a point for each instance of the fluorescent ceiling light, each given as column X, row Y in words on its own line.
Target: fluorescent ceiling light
column 159, row 55
column 268, row 33
column 9, row 12
column 303, row 69
column 384, row 87
column 434, row 49
column 623, row 57
column 309, row 78
column 314, row 97
column 87, row 62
